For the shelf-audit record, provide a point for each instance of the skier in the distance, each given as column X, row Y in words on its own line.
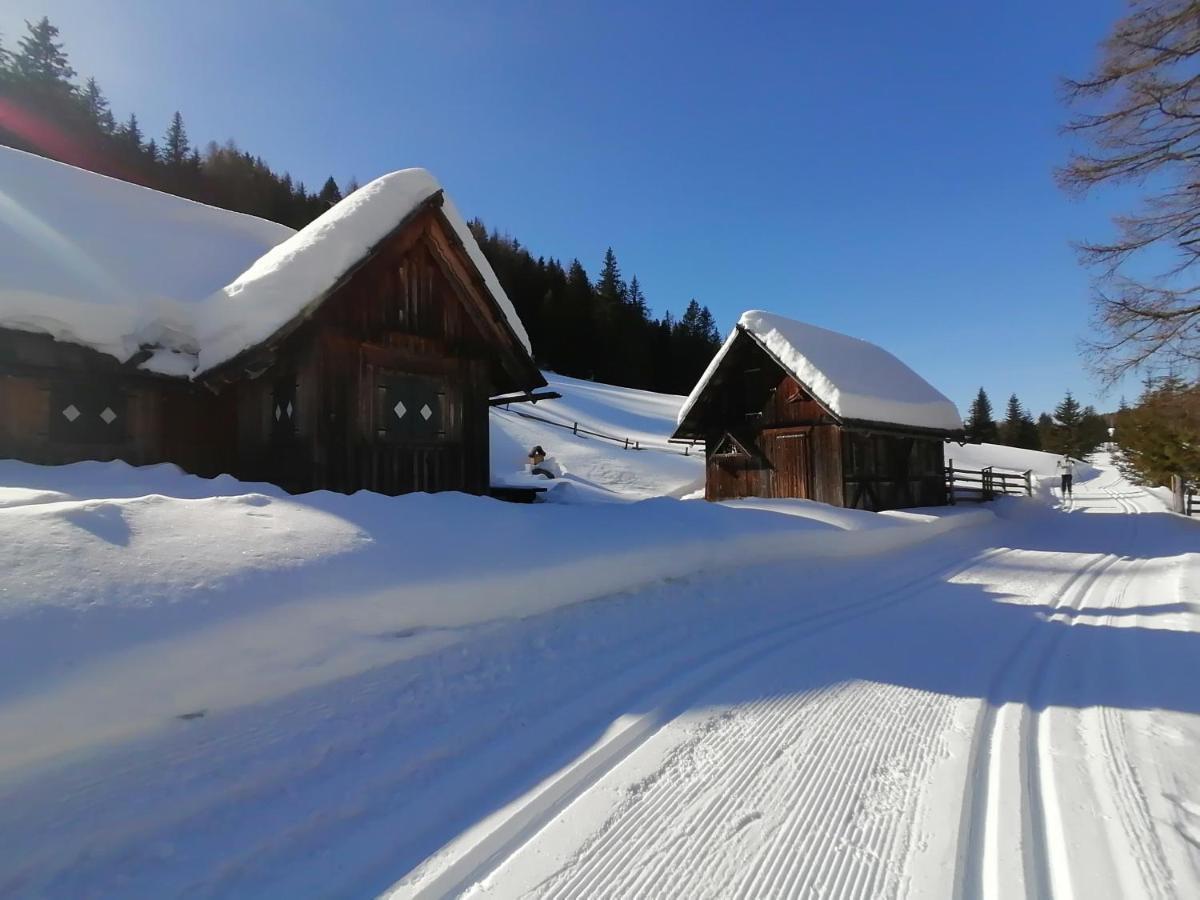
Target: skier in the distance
column 1066, row 469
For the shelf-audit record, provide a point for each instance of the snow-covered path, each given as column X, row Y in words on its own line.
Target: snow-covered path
column 914, row 742
column 1011, row 709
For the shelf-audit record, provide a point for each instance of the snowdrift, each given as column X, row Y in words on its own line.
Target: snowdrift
column 233, row 593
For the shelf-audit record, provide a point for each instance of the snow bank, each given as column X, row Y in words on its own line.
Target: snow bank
column 114, row 266
column 295, row 275
column 232, row 593
column 595, row 469
column 853, row 378
column 108, row 264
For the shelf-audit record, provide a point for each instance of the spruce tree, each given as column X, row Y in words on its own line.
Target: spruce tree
column 131, row 132
column 980, row 425
column 95, row 105
column 1067, row 417
column 41, row 60
column 175, row 143
column 609, row 287
column 637, row 299
column 330, row 194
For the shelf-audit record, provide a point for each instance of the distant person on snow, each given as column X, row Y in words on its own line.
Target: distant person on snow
column 1066, row 469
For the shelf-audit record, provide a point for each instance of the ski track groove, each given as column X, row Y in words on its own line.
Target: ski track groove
column 970, row 881
column 474, row 864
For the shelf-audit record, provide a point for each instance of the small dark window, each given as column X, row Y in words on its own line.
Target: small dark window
column 411, row 408
column 283, row 409
column 87, row 414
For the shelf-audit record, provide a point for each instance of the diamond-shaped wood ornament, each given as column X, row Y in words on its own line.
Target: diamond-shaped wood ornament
column 108, row 415
column 71, row 413
column 400, row 409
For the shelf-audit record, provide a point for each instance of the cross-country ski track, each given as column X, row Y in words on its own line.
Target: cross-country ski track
column 748, row 779
column 1010, row 708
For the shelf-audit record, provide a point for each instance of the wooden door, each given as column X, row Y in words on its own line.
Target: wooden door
column 790, row 459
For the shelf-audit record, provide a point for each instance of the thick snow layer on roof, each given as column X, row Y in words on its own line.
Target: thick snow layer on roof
column 298, row 272
column 112, row 265
column 853, row 378
column 115, row 266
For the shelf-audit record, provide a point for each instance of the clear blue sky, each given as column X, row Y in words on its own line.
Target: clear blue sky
column 880, row 168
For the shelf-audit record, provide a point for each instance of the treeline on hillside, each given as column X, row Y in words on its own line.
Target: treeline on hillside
column 46, row 112
column 602, row 330
column 1072, row 430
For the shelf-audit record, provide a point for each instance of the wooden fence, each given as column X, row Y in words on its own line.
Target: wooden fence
column 1183, row 498
column 985, row 484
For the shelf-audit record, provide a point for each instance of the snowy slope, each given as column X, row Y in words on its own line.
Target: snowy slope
column 852, row 378
column 1013, row 459
column 595, row 468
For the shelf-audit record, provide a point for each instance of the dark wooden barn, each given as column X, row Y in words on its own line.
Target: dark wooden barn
column 790, row 410
column 371, row 369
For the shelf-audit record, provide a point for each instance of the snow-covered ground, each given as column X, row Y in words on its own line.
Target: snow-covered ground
column 209, row 688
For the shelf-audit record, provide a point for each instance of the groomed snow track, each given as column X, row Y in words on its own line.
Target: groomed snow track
column 1006, row 710
column 839, row 790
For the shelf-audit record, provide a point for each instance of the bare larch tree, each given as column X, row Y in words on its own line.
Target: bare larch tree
column 1138, row 117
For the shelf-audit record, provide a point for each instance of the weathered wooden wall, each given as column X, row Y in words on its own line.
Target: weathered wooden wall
column 384, row 387
column 885, row 471
column 324, row 415
column 795, row 449
column 61, row 403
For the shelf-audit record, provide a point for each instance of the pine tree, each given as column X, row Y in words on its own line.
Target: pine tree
column 131, row 132
column 609, row 287
column 637, row 299
column 1159, row 436
column 1018, row 428
column 351, row 186
column 330, row 194
column 980, row 425
column 175, row 143
column 96, row 106
column 41, row 60
column 1076, row 431
column 151, row 151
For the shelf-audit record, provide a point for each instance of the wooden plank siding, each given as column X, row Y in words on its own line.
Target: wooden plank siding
column 383, row 386
column 793, row 447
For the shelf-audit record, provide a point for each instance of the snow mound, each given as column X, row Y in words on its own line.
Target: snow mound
column 112, row 265
column 234, row 593
column 854, row 379
column 117, row 267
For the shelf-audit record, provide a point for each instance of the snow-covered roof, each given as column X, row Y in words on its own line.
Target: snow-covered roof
column 118, row 267
column 113, row 265
column 852, row 378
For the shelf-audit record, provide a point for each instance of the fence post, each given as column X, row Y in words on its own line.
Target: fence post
column 950, row 484
column 575, row 429
column 988, row 485
column 626, row 443
column 1028, row 483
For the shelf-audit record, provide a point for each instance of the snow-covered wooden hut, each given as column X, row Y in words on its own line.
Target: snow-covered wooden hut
column 787, row 409
column 357, row 353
